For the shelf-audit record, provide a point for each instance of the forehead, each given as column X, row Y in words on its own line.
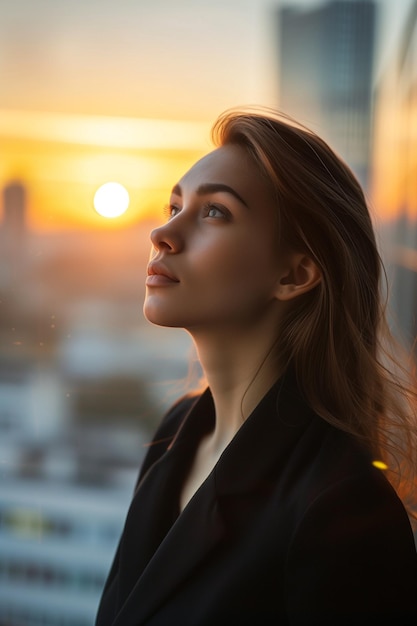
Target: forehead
column 232, row 166
column 229, row 161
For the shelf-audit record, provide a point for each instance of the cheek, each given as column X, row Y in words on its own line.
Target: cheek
column 251, row 256
column 239, row 270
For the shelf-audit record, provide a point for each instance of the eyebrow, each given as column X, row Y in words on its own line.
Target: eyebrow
column 207, row 188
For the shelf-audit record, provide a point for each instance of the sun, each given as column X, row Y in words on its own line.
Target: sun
column 111, row 200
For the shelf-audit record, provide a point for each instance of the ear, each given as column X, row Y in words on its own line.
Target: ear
column 300, row 276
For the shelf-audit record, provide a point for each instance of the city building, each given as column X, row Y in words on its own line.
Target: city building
column 326, row 68
column 394, row 185
column 56, row 546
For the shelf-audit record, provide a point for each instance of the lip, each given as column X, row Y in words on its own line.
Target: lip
column 159, row 275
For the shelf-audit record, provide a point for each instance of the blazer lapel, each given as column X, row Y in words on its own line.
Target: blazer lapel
column 157, row 553
column 192, row 537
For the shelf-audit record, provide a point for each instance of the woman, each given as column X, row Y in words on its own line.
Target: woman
column 258, row 502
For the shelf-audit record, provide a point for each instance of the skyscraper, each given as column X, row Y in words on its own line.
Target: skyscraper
column 12, row 233
column 326, row 74
column 14, row 196
column 395, row 180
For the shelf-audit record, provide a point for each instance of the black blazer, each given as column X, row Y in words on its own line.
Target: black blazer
column 294, row 526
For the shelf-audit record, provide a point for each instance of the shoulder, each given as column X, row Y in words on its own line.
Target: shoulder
column 348, row 501
column 337, row 484
column 351, row 542
column 167, row 429
column 334, row 457
column 355, row 540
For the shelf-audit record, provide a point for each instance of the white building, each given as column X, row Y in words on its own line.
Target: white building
column 56, row 548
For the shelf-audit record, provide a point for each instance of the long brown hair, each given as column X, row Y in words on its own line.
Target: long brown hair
column 336, row 336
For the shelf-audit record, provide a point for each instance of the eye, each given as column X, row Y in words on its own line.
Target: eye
column 216, row 211
column 171, row 210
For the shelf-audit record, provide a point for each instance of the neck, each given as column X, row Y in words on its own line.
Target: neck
column 240, row 368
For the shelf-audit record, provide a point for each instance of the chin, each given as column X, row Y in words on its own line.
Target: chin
column 159, row 317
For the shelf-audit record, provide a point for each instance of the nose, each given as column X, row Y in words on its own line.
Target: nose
column 165, row 238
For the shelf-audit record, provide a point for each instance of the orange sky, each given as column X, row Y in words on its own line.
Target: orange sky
column 93, row 94
column 63, row 159
column 127, row 91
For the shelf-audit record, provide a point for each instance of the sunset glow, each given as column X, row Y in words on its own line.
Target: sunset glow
column 100, row 130
column 63, row 159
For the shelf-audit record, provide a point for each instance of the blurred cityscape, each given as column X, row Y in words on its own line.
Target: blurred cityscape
column 84, row 378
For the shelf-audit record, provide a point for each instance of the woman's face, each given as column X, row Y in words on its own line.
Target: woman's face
column 215, row 262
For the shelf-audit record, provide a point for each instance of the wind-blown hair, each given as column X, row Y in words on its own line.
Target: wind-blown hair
column 335, row 336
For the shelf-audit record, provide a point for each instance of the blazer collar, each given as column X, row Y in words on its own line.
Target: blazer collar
column 265, row 440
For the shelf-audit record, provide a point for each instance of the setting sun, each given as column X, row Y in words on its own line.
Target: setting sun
column 62, row 160
column 111, row 200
